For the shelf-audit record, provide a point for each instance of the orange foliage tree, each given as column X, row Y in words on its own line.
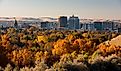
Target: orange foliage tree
column 21, row 57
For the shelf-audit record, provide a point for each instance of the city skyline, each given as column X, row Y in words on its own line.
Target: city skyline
column 98, row 9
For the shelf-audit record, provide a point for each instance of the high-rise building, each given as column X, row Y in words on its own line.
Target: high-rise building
column 73, row 23
column 63, row 21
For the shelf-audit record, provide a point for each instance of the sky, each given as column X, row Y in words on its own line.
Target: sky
column 97, row 9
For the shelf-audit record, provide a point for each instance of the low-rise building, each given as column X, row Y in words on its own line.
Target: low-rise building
column 98, row 25
column 108, row 25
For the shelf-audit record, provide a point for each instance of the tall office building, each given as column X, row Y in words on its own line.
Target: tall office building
column 73, row 23
column 63, row 21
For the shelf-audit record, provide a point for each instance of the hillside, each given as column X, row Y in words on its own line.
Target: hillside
column 116, row 41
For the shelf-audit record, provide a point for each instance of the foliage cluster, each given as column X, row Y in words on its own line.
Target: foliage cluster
column 32, row 49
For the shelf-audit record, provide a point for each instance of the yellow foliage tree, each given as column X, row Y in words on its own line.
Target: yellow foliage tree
column 39, row 56
column 70, row 37
column 20, row 57
column 42, row 38
column 79, row 42
column 61, row 47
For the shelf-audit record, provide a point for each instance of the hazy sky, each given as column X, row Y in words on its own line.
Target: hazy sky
column 83, row 8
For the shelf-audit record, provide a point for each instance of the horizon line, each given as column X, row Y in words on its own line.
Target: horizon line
column 59, row 16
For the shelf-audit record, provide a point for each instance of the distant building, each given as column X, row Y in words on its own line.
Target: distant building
column 84, row 26
column 108, row 25
column 48, row 25
column 7, row 23
column 88, row 26
column 116, row 25
column 24, row 25
column 63, row 21
column 98, row 26
column 91, row 27
column 44, row 25
column 51, row 25
column 73, row 23
column 119, row 30
column 16, row 24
